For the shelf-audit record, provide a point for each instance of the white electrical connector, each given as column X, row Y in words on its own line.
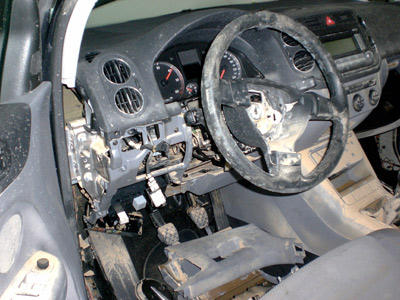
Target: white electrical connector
column 123, row 217
column 156, row 195
column 139, row 203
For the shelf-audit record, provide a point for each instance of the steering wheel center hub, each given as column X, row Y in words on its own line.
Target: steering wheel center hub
column 262, row 113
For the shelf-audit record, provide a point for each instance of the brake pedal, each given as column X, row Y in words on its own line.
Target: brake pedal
column 168, row 234
column 199, row 216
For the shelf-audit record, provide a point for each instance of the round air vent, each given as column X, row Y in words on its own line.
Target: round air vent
column 289, row 40
column 116, row 71
column 303, row 61
column 129, row 100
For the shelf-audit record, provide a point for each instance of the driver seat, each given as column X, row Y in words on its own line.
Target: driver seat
column 365, row 268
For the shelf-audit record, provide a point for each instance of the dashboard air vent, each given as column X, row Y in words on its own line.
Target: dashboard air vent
column 311, row 23
column 129, row 100
column 303, row 61
column 116, row 71
column 289, row 40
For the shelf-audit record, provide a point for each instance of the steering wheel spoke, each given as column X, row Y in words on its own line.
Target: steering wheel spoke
column 288, row 163
column 270, row 86
column 323, row 108
column 234, row 93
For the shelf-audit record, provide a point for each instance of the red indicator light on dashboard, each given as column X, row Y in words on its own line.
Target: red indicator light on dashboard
column 329, row 21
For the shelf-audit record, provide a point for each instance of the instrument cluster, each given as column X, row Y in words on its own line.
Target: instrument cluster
column 178, row 71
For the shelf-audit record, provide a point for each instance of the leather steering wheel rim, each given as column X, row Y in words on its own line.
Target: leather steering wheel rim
column 283, row 182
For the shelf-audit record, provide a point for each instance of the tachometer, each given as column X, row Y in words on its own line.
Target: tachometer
column 170, row 80
column 230, row 67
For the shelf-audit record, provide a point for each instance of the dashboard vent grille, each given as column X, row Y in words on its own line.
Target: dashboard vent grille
column 116, row 71
column 311, row 23
column 289, row 40
column 303, row 61
column 129, row 100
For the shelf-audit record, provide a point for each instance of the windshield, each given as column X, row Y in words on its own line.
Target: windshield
column 127, row 10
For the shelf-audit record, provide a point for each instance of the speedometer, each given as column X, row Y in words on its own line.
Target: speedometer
column 170, row 80
column 230, row 67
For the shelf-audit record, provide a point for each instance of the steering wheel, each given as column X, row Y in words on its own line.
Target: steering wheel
column 272, row 116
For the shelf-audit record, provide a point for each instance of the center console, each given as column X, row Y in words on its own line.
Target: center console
column 346, row 37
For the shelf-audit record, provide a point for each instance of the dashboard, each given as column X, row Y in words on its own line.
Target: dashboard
column 178, row 70
column 140, row 83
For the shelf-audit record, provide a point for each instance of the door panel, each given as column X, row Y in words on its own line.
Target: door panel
column 32, row 216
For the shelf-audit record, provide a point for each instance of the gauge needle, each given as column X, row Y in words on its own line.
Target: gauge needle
column 222, row 74
column 169, row 74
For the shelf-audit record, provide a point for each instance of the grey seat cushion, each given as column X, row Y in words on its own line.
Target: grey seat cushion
column 366, row 268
